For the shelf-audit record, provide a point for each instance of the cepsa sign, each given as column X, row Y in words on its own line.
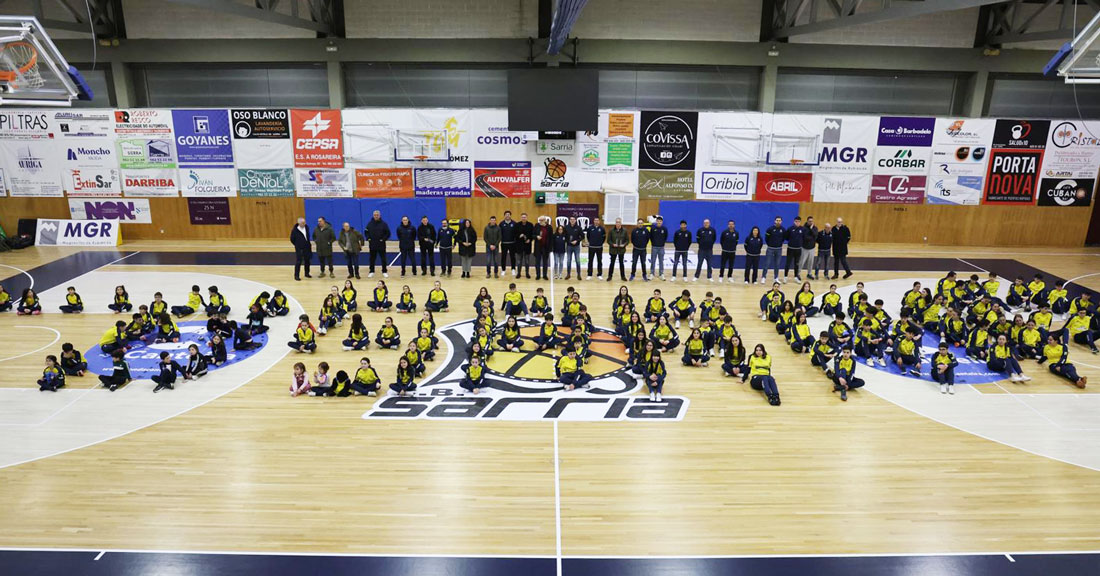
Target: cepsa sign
column 317, row 139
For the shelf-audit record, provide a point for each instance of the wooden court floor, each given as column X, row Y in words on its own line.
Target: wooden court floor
column 256, row 470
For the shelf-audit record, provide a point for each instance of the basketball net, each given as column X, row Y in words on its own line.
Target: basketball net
column 19, row 66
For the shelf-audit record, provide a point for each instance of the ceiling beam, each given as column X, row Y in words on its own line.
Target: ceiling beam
column 891, row 11
column 261, row 13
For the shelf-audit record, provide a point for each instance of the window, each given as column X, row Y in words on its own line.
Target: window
column 883, row 93
column 1017, row 96
column 427, row 86
column 709, row 88
column 205, row 86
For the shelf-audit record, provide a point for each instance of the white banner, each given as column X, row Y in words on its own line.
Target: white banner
column 841, row 187
column 261, row 138
column 208, row 182
column 370, row 135
column 494, row 142
column 324, row 182
column 729, row 144
column 77, row 233
column 84, row 123
column 135, row 210
column 960, row 149
column 957, row 190
column 91, row 167
column 31, row 167
column 902, row 160
column 848, row 144
column 144, row 123
column 1073, row 150
column 150, row 183
column 724, row 185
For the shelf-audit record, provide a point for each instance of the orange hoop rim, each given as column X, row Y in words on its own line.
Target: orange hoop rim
column 11, row 75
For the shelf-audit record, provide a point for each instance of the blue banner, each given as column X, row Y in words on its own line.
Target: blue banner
column 202, row 138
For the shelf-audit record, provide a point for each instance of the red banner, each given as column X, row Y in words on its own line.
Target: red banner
column 502, row 179
column 784, row 186
column 383, row 183
column 318, row 139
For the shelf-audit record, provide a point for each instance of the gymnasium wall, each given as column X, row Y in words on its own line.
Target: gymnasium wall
column 942, row 225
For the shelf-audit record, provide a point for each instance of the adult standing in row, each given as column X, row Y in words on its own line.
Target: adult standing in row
column 595, row 236
column 426, row 236
column 794, row 235
column 681, row 243
column 809, row 240
column 543, row 240
column 841, row 237
column 492, row 236
column 378, row 233
column 705, row 238
column 639, row 239
column 524, row 233
column 467, row 245
column 773, row 251
column 303, row 250
column 728, row 243
column 574, row 234
column 508, row 243
column 617, row 239
column 324, row 236
column 351, row 242
column 658, row 237
column 446, row 238
column 406, row 244
column 753, row 245
column 824, row 250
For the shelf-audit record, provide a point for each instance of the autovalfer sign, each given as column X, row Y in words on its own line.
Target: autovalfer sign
column 784, row 186
column 317, row 139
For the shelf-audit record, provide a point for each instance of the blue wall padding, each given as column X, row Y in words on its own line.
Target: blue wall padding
column 744, row 214
column 357, row 211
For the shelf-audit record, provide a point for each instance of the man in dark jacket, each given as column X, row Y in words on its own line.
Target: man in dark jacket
column 681, row 243
column 617, row 239
column 508, row 243
column 378, row 233
column 773, row 249
column 595, row 236
column 729, row 250
column 794, row 236
column 426, row 236
column 658, row 237
column 574, row 235
column 524, row 235
column 639, row 239
column 351, row 242
column 446, row 242
column 809, row 241
column 841, row 237
column 491, row 235
column 824, row 250
column 303, row 251
column 705, row 238
column 324, row 236
column 542, row 239
column 406, row 244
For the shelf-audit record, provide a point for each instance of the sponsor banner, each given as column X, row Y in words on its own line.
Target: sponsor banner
column 441, row 183
column 584, row 213
column 666, row 184
column 960, row 147
column 134, row 211
column 1021, row 134
column 561, row 173
column 907, row 160
column 91, row 168
column 26, row 125
column 492, row 139
column 143, row 153
column 31, row 168
column 79, row 123
column 905, row 131
column 383, row 183
column 620, row 124
column 502, row 179
column 555, row 147
column 207, row 211
column 77, row 233
column 318, row 141
column 324, row 183
column 371, row 135
column 148, row 183
column 1013, row 176
column 261, row 137
column 612, row 147
column 208, row 182
column 668, row 140
column 1066, row 192
column 552, row 197
column 847, row 144
column 266, row 182
column 841, row 187
column 732, row 185
column 1073, row 150
column 202, row 138
column 144, row 122
column 957, row 190
column 784, row 186
column 898, row 189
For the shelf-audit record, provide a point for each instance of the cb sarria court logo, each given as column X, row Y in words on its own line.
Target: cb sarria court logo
column 522, row 385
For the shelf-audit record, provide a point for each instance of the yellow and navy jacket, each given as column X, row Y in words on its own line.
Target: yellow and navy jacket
column 1029, row 337
column 123, row 298
column 822, row 347
column 839, row 329
column 1036, row 286
column 694, row 346
column 655, row 306
column 4, row 297
column 510, row 333
column 259, row 300
column 304, row 335
column 907, row 347
column 413, row 356
column 217, row 299
column 662, row 332
column 1020, row 290
column 475, row 373
column 844, row 367
column 54, row 373
column 760, row 366
column 279, row 301
column 990, row 288
column 853, row 299
column 931, row 313
column 540, row 303
column 74, row 299
column 565, row 365
column 798, row 332
column 1042, row 319
column 954, row 325
column 681, row 303
column 388, row 332
column 437, row 295
column 357, row 333
column 1002, row 352
column 830, row 299
column 1078, row 324
column 911, row 297
column 404, row 376
column 366, row 376
column 726, row 331
column 195, row 301
column 1055, row 295
column 1056, row 353
column 112, row 336
column 513, row 298
column 735, row 356
column 655, row 368
column 947, row 359
column 978, row 338
column 426, row 324
column 349, row 295
column 771, row 294
column 1079, row 303
column 406, row 298
column 805, row 298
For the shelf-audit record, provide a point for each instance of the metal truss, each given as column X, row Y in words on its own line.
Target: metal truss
column 106, row 16
column 797, row 17
column 1017, row 21
column 322, row 16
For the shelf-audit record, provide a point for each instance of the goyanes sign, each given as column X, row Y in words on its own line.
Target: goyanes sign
column 77, row 233
column 318, row 142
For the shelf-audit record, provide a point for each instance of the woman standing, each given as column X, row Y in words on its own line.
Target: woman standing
column 753, row 244
column 559, row 243
column 543, row 240
column 467, row 246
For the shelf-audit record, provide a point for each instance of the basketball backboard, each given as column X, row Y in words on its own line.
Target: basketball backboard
column 32, row 70
column 1080, row 58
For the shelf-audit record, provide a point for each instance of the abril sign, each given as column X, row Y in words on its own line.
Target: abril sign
column 134, row 211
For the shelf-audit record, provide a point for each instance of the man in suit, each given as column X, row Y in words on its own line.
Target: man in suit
column 303, row 251
column 841, row 237
column 377, row 233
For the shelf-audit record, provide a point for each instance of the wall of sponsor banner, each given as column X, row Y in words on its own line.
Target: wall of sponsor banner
column 463, row 153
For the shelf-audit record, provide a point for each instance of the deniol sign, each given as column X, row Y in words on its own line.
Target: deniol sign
column 521, row 386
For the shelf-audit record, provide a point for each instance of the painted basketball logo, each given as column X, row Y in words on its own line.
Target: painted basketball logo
column 144, row 357
column 522, row 385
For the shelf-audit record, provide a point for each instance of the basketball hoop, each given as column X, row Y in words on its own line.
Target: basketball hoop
column 420, row 157
column 796, row 162
column 19, row 66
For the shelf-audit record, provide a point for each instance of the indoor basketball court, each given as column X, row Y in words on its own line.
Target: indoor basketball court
column 197, row 171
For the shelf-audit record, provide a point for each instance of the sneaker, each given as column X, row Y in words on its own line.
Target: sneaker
column 1014, row 378
column 652, row 396
column 719, row 279
column 746, row 281
column 762, row 281
column 797, row 279
column 113, row 387
column 598, row 277
column 1025, row 378
column 658, row 396
column 882, row 362
column 385, row 274
column 695, row 279
column 950, row 388
column 347, row 348
column 372, row 393
column 677, row 323
column 711, row 280
column 943, row 388
column 844, row 394
column 1081, row 382
column 157, row 389
column 663, row 279
column 870, row 362
column 915, row 372
column 370, row 275
column 691, row 323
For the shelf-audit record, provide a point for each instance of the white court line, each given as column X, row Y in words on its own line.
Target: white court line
column 100, row 555
column 974, row 265
column 56, row 337
column 1072, row 280
column 1017, row 398
column 23, row 272
column 1010, row 558
column 557, row 495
